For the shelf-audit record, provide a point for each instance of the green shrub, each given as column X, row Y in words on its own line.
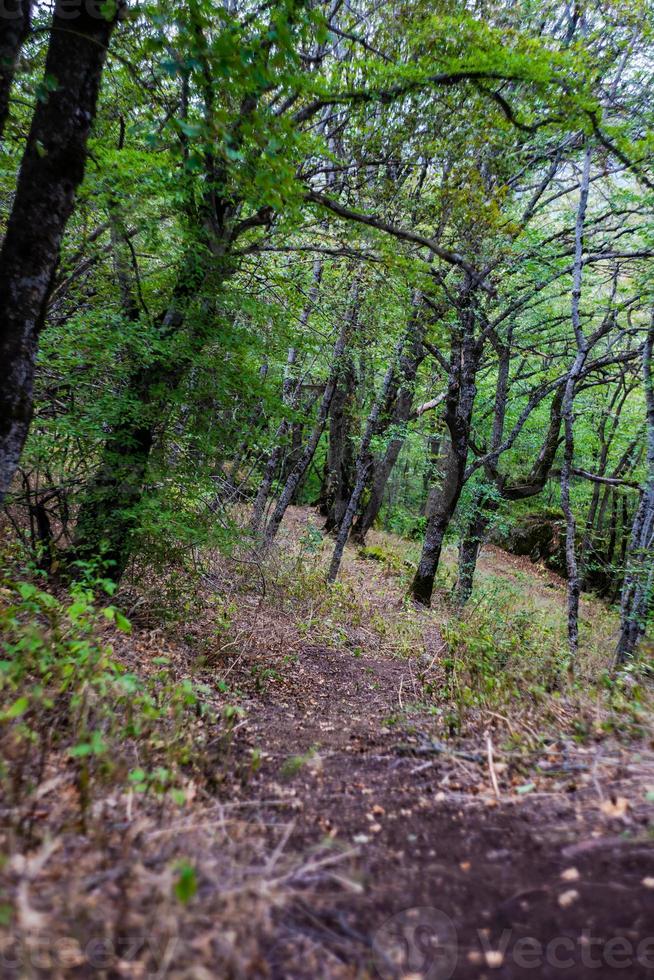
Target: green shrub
column 67, row 701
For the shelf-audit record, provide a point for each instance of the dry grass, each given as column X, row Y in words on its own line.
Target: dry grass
column 240, row 627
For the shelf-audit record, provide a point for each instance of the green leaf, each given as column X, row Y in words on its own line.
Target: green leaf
column 526, row 788
column 123, row 623
column 27, row 590
column 186, row 886
column 94, row 746
column 109, row 9
column 190, row 129
column 17, row 709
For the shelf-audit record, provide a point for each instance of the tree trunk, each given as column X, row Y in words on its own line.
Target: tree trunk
column 107, row 518
column 461, row 392
column 434, row 450
column 275, row 457
column 382, row 468
column 638, row 584
column 51, row 171
column 521, row 489
column 574, row 584
column 15, row 20
column 340, row 464
column 470, row 545
column 290, row 393
column 304, row 461
column 364, row 461
column 381, row 471
column 442, row 506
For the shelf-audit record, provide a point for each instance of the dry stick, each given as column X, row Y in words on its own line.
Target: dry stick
column 363, row 464
column 567, row 412
column 491, row 765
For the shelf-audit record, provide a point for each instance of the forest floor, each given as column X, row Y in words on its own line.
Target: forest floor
column 360, row 823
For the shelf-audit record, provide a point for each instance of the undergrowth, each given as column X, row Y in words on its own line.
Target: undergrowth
column 71, row 709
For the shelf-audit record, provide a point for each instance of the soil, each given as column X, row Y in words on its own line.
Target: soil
column 547, row 884
column 361, row 845
column 437, row 875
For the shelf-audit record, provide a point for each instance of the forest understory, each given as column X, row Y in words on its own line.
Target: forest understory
column 363, row 768
column 326, row 489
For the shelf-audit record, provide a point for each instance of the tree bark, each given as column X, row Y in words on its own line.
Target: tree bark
column 470, row 546
column 363, row 463
column 304, row 460
column 340, row 467
column 381, row 469
column 290, row 395
column 574, row 584
column 638, row 586
column 475, row 532
column 14, row 28
column 52, row 169
column 107, row 515
column 464, row 362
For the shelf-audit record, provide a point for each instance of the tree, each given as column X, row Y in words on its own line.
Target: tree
column 51, row 171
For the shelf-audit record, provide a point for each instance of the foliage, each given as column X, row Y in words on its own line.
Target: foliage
column 67, row 699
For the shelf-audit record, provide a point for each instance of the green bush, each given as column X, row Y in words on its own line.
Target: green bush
column 67, row 700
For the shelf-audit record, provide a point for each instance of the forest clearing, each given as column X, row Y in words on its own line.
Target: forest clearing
column 326, row 489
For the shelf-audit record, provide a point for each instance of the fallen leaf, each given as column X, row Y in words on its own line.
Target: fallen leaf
column 566, row 899
column 616, row 807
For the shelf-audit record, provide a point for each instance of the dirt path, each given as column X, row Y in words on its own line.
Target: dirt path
column 432, row 875
column 330, row 835
column 542, row 886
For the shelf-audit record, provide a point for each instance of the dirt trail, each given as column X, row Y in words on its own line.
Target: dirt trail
column 433, row 876
column 329, row 835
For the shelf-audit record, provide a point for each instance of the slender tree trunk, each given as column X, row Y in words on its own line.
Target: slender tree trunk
column 574, row 584
column 638, row 586
column 381, row 471
column 478, row 524
column 51, row 171
column 107, row 515
column 14, row 27
column 304, row 461
column 340, row 464
column 442, row 507
column 364, row 461
column 521, row 489
column 106, row 520
column 470, row 545
column 290, row 394
column 589, row 551
column 434, row 450
column 464, row 363
column 382, row 468
column 275, row 457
